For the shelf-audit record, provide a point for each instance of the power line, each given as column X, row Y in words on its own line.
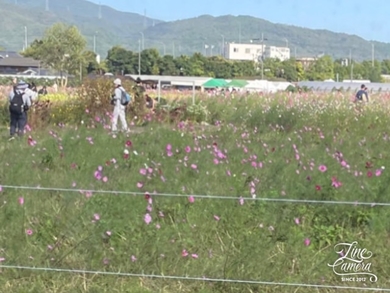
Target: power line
column 218, row 197
column 198, row 279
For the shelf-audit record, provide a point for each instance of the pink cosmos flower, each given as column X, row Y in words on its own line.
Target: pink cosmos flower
column 187, row 149
column 307, row 242
column 191, row 199
column 29, row 232
column 322, row 168
column 147, row 219
column 21, row 200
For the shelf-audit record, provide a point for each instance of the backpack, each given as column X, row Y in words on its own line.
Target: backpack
column 125, row 98
column 17, row 104
column 359, row 95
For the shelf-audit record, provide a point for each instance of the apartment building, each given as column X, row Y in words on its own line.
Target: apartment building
column 254, row 52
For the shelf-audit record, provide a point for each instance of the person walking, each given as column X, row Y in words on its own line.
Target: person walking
column 20, row 99
column 119, row 109
column 362, row 92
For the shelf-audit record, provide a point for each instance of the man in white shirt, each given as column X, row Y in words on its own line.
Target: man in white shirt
column 119, row 109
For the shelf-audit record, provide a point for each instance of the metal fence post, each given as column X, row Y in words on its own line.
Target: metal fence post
column 193, row 93
column 159, row 90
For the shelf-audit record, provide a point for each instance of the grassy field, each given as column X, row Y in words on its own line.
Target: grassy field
column 219, row 200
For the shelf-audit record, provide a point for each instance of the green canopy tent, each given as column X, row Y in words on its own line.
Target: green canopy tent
column 215, row 82
column 237, row 83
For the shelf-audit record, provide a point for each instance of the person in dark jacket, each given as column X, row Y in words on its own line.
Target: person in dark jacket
column 361, row 93
column 20, row 100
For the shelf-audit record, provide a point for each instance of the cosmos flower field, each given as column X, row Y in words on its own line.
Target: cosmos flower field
column 262, row 192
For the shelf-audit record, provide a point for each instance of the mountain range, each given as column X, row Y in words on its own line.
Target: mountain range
column 105, row 27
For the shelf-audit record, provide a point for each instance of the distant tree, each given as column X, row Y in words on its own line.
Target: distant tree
column 120, row 60
column 33, row 51
column 385, row 66
column 167, row 66
column 62, row 49
column 322, row 69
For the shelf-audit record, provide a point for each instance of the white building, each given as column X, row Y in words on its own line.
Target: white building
column 281, row 53
column 244, row 52
column 252, row 52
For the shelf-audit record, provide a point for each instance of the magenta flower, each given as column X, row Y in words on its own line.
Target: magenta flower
column 194, row 255
column 378, row 172
column 191, row 199
column 216, row 218
column 322, row 168
column 21, row 200
column 184, row 253
column 307, row 242
column 187, row 149
column 147, row 219
column 193, row 166
column 29, row 232
column 143, row 171
column 98, row 175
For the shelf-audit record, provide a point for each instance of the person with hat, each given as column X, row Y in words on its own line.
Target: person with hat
column 20, row 99
column 119, row 109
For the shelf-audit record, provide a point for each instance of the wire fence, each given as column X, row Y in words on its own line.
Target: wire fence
column 187, row 278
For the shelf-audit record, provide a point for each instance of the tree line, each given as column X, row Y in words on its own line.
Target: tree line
column 64, row 49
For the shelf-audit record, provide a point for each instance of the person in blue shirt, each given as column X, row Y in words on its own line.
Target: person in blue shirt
column 362, row 92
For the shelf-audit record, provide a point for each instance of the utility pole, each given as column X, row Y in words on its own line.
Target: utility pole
column 139, row 58
column 350, row 61
column 25, row 38
column 262, row 56
column 223, row 46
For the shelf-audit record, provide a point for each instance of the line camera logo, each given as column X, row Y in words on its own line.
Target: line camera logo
column 353, row 265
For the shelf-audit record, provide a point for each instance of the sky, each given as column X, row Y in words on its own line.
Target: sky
column 367, row 19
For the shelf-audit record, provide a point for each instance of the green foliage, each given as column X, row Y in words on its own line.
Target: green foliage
column 62, row 49
column 231, row 238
